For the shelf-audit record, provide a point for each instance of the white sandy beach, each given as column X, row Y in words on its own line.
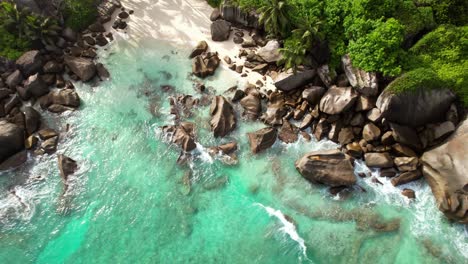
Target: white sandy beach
column 181, row 22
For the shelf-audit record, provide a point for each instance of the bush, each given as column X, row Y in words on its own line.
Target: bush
column 380, row 49
column 11, row 46
column 414, row 80
column 80, row 13
column 214, row 3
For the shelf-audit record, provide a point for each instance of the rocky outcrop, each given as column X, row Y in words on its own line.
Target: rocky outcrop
column 205, row 65
column 270, row 52
column 30, row 62
column 252, row 105
column 67, row 166
column 330, row 167
column 313, row 94
column 295, row 81
column 84, row 68
column 262, row 139
column 60, row 100
column 445, row 169
column 201, row 47
column 235, row 15
column 223, row 119
column 182, row 135
column 425, row 105
column 288, row 132
column 220, row 30
column 11, row 139
column 275, row 109
column 364, row 82
column 337, row 100
column 35, row 86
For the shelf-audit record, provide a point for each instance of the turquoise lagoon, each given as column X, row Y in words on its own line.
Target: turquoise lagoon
column 131, row 203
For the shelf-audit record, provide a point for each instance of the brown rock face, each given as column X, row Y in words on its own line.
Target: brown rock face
column 288, row 132
column 252, row 105
column 205, row 65
column 85, row 69
column 275, row 109
column 11, row 139
column 445, row 169
column 378, row 160
column 408, row 193
column 67, row 166
column 262, row 139
column 330, row 167
column 223, row 119
column 406, row 177
column 406, row 163
column 199, row 49
column 337, row 100
column 182, row 135
column 366, row 83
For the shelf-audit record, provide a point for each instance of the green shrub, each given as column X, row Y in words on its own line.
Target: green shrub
column 414, row 80
column 80, row 13
column 380, row 49
column 214, row 3
column 11, row 46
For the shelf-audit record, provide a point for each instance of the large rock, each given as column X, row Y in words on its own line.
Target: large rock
column 415, row 108
column 446, row 170
column 378, row 160
column 330, row 167
column 67, row 166
column 60, row 100
column 270, row 52
column 32, row 120
column 406, row 136
column 205, row 65
column 288, row 132
column 220, row 30
column 182, row 135
column 11, row 139
column 262, row 139
column 337, row 100
column 30, row 62
column 295, row 81
column 223, row 119
column 14, row 79
column 275, row 109
column 201, row 47
column 252, row 105
column 313, row 94
column 35, row 86
column 364, row 82
column 236, row 15
column 84, row 68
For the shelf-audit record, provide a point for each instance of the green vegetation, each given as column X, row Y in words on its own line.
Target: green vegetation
column 80, row 13
column 214, row 3
column 425, row 40
column 14, row 31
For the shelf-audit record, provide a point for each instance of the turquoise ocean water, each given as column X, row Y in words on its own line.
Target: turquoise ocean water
column 131, row 203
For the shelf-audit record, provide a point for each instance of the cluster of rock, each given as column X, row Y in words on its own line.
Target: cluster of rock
column 38, row 79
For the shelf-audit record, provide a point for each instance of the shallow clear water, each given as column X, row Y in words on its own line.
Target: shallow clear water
column 131, row 203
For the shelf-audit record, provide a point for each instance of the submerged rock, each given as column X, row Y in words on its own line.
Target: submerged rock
column 67, row 166
column 262, row 139
column 330, row 167
column 223, row 119
column 445, row 169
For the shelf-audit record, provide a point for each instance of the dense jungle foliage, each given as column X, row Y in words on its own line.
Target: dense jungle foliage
column 387, row 36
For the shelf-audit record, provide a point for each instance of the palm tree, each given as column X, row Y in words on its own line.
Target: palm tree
column 309, row 31
column 273, row 15
column 294, row 52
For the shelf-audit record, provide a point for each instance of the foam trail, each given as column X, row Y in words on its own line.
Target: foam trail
column 288, row 227
column 204, row 155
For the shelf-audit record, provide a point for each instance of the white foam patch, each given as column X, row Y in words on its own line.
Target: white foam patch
column 287, row 228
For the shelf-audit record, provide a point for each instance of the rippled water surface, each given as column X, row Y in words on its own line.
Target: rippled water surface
column 131, row 203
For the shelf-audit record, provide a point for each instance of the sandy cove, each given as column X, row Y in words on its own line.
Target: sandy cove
column 183, row 23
